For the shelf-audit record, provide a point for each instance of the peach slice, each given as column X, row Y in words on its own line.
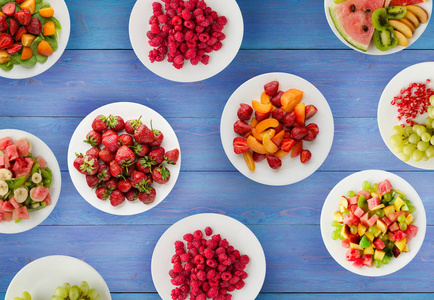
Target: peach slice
column 248, row 158
column 268, row 144
column 261, row 108
column 267, row 123
column 278, row 137
column 254, row 122
column 260, row 136
column 281, row 153
column 265, row 99
column 29, row 5
column 290, row 99
column 256, row 146
column 300, row 114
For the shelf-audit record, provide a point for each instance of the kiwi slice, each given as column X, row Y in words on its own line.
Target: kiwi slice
column 396, row 12
column 380, row 18
column 385, row 39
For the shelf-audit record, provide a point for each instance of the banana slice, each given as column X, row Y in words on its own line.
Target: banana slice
column 21, row 194
column 34, row 199
column 36, row 178
column 5, row 174
column 4, row 188
column 419, row 12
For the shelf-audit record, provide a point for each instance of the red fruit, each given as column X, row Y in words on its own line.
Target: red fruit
column 279, row 128
column 289, row 119
column 140, row 180
column 111, row 142
column 258, row 157
column 117, row 198
column 271, row 88
column 9, row 9
column 240, row 145
column 300, row 114
column 287, row 144
column 296, row 149
column 261, row 116
column 93, row 151
column 298, row 132
column 241, row 127
column 305, row 156
column 143, row 135
column 131, row 125
column 102, row 193
column 111, row 184
column 313, row 127
column 141, row 149
column 103, row 172
column 310, row 136
column 106, row 156
column 275, row 100
column 92, row 181
column 21, row 31
column 19, row 1
column 125, row 156
column 86, row 164
column 244, row 112
column 132, row 194
column 6, row 41
column 100, row 123
column 310, row 110
column 124, row 185
column 3, row 24
column 116, row 123
column 172, row 156
column 23, row 17
column 93, row 138
column 126, row 139
column 13, row 27
column 115, row 169
column 15, row 48
column 34, row 26
column 278, row 114
column 108, row 133
column 128, row 169
column 144, row 165
column 161, row 174
column 158, row 138
column 274, row 162
column 148, row 197
column 157, row 155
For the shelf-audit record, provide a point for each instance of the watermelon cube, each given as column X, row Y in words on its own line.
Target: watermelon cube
column 345, row 243
column 351, row 220
column 394, row 227
column 358, row 263
column 41, row 161
column 384, row 187
column 1, row 203
column 47, row 199
column 23, row 146
column 5, row 142
column 411, row 230
column 12, row 152
column 6, row 216
column 399, row 235
column 372, row 220
column 21, row 213
column 364, row 220
column 367, row 260
column 7, row 207
column 352, row 254
column 394, row 216
column 352, row 208
column 359, row 212
column 39, row 193
column 374, row 202
column 386, row 221
column 379, row 244
column 22, row 166
column 365, row 193
column 353, row 200
column 14, row 202
column 2, row 161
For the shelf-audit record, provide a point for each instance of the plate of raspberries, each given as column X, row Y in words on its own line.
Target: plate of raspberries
column 124, row 158
column 186, row 41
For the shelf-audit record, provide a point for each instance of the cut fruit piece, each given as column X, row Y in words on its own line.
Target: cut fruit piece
column 265, row 99
column 27, row 39
column 260, row 136
column 405, row 2
column 46, row 12
column 248, row 158
column 269, row 145
column 419, row 12
column 29, row 5
column 300, row 114
column 267, row 123
column 380, row 18
column 290, row 99
column 256, row 146
column 396, row 12
column 402, row 40
column 413, row 19
column 409, row 24
column 401, row 27
column 4, row 56
column 385, row 39
column 261, row 108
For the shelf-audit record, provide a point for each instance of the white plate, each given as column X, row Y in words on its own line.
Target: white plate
column 292, row 169
column 128, row 111
column 372, row 49
column 387, row 113
column 41, row 277
column 21, row 71
column 354, row 182
column 38, row 148
column 234, row 231
column 218, row 61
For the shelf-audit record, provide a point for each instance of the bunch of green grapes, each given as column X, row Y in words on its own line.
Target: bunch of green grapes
column 415, row 141
column 24, row 296
column 82, row 292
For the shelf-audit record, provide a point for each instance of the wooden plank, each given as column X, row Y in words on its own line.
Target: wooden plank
column 82, row 81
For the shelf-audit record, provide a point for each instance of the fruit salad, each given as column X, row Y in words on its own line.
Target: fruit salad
column 375, row 224
column 130, row 161
column 278, row 127
column 28, row 32
column 24, row 180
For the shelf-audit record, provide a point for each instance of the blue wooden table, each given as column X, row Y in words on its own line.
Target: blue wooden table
column 100, row 67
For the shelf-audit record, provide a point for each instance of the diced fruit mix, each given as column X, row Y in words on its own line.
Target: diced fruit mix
column 131, row 160
column 209, row 267
column 278, row 127
column 28, row 33
column 185, row 30
column 375, row 224
column 24, row 180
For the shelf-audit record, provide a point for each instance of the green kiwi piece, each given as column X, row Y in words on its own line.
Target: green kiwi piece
column 380, row 18
column 396, row 12
column 385, row 39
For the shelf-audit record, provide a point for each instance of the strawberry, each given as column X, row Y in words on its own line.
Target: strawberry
column 141, row 149
column 107, row 133
column 296, row 149
column 115, row 169
column 261, row 116
column 289, row 119
column 312, row 132
column 6, row 41
column 131, row 125
column 21, row 31
column 287, row 144
column 102, row 193
column 106, row 156
column 23, row 17
column 132, row 194
column 15, row 48
column 240, row 145
column 111, row 142
column 140, row 180
column 128, row 169
column 9, row 9
column 278, row 114
column 271, row 88
column 117, row 198
column 125, row 156
column 86, row 164
column 310, row 111
column 19, row 1
column 3, row 24
column 305, row 156
column 93, row 151
column 244, row 112
column 111, row 184
column 148, row 197
column 34, row 26
column 116, row 123
column 144, row 165
column 274, row 162
column 93, row 138
column 124, row 185
column 92, row 181
column 171, row 156
column 258, row 157
column 104, row 172
column 275, row 100
column 313, row 127
column 13, row 27
column 157, row 155
column 126, row 139
column 143, row 135
column 158, row 138
column 160, row 174
column 241, row 127
column 298, row 132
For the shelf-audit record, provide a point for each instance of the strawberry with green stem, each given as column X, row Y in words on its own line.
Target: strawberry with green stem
column 86, row 164
column 161, row 174
column 99, row 124
column 125, row 156
column 171, row 156
column 158, row 137
column 131, row 125
column 93, row 138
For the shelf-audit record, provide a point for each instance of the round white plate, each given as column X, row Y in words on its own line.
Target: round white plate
column 387, row 113
column 128, row 111
column 354, row 182
column 234, row 231
column 372, row 49
column 292, row 169
column 218, row 61
column 41, row 277
column 38, row 148
column 21, row 71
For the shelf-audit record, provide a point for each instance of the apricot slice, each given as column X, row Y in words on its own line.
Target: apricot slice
column 49, row 28
column 300, row 114
column 256, row 146
column 265, row 99
column 267, row 123
column 46, row 12
column 29, row 5
column 27, row 39
column 281, row 153
column 254, row 122
column 248, row 158
column 278, row 137
column 260, row 136
column 27, row 53
column 261, row 108
column 290, row 99
column 44, row 48
column 268, row 144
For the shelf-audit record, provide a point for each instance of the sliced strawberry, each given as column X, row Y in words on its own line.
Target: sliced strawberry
column 9, row 8
column 34, row 26
column 305, row 156
column 21, row 31
column 296, row 149
column 240, row 145
column 310, row 111
column 15, row 48
column 287, row 144
column 13, row 27
column 23, row 17
column 6, row 41
column 3, row 24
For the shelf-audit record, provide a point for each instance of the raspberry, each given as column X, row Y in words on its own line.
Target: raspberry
column 174, row 4
column 186, row 14
column 211, row 244
column 153, row 20
column 162, row 18
column 224, row 243
column 180, row 251
column 179, row 37
column 217, row 46
column 203, row 37
column 217, row 27
column 228, row 296
column 156, row 41
column 198, row 234
column 214, row 15
column 179, row 60
column 155, row 29
column 208, row 253
column 198, row 12
column 231, row 288
column 222, row 20
column 177, row 21
column 222, row 268
column 177, row 267
column 195, row 61
column 201, row 5
column 239, row 285
column 199, row 29
column 185, row 257
column 198, row 259
column 200, row 19
column 201, row 297
column 212, row 41
column 175, row 259
column 227, row 262
column 162, row 50
column 223, row 291
column 193, row 252
column 234, row 280
column 156, row 6
column 211, row 274
column 226, row 276
column 172, row 273
column 220, row 250
column 211, row 263
column 244, row 258
column 213, row 292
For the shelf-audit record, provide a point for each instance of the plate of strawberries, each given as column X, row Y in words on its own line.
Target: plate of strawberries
column 124, row 158
column 277, row 129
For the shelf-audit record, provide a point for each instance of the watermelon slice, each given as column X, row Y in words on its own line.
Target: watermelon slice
column 5, row 142
column 353, row 20
column 405, row 2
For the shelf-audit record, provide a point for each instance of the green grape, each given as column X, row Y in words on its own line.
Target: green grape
column 431, row 99
column 418, row 155
column 74, row 292
column 420, row 130
column 414, row 138
column 405, row 157
column 426, row 137
column 430, row 112
column 92, row 293
column 98, row 297
column 398, row 130
column 408, row 130
column 403, row 226
column 409, row 149
column 380, row 213
column 377, row 263
column 411, row 209
column 407, row 202
column 395, row 139
column 351, row 194
column 57, row 298
column 428, row 122
column 383, row 237
column 414, row 128
column 18, row 298
column 334, row 224
column 341, row 237
column 387, row 197
column 398, row 148
column 335, row 235
column 375, row 186
column 425, row 158
column 61, row 291
column 371, row 230
column 430, row 151
column 84, row 286
column 432, row 139
column 366, row 185
column 386, row 259
column 67, row 286
column 422, row 146
column 26, row 296
column 401, row 218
